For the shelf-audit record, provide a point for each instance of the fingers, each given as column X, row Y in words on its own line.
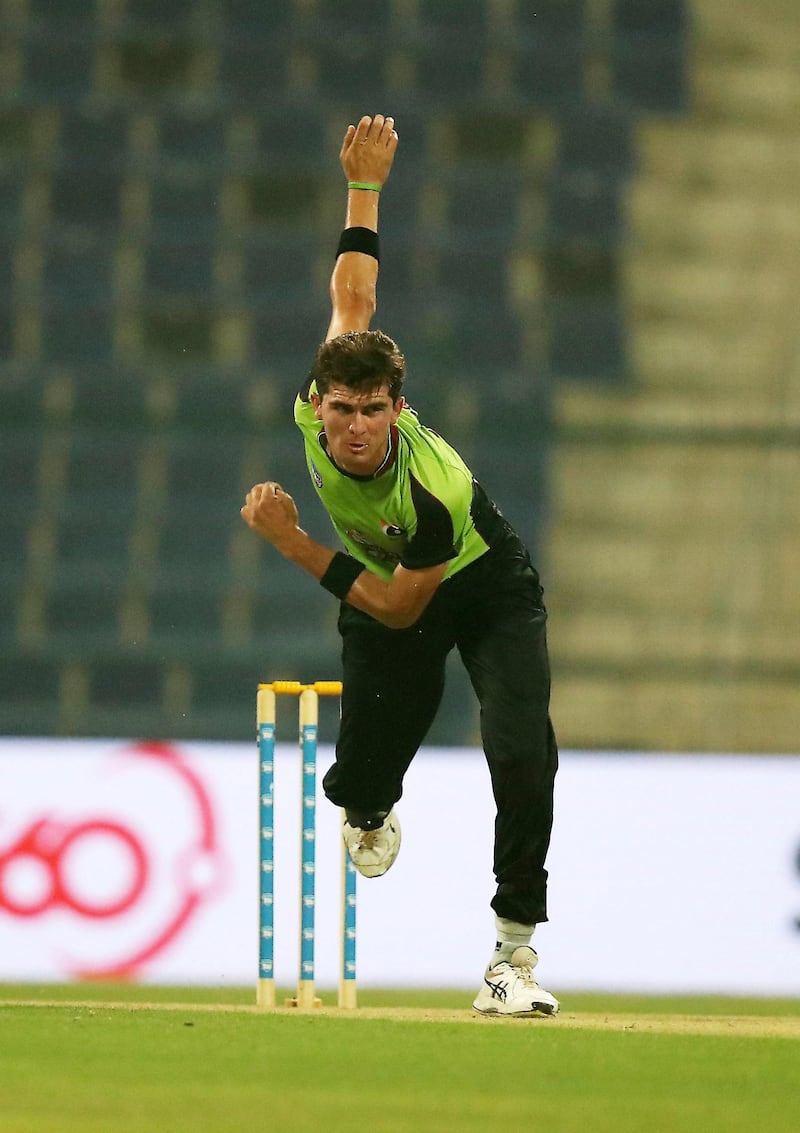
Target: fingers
column 388, row 133
column 350, row 133
column 259, row 492
column 379, row 131
column 362, row 130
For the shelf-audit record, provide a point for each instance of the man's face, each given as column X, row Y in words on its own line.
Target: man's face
column 357, row 426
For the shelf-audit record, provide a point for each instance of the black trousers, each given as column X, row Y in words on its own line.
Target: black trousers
column 492, row 612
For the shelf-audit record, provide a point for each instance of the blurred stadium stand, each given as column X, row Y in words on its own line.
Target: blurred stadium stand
column 169, row 202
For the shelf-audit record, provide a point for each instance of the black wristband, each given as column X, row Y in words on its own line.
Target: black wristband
column 342, row 572
column 359, row 240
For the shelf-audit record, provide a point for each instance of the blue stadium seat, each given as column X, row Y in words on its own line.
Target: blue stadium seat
column 281, row 458
column 649, row 72
column 224, row 688
column 30, row 690
column 649, row 54
column 249, row 20
column 210, row 400
column 179, row 332
column 513, row 406
column 8, row 207
column 92, row 545
column 487, row 336
column 78, row 17
column 6, row 330
column 449, row 72
column 184, row 205
column 91, row 138
column 290, row 332
column 185, row 615
column 205, row 468
column 83, row 612
column 192, row 139
column 58, row 68
column 253, row 72
column 580, row 269
column 587, row 339
column 76, row 333
column 156, row 66
column 7, row 272
column 103, row 469
column 546, row 52
column 444, row 21
column 19, row 456
column 656, row 17
column 15, row 517
column 276, row 266
column 78, row 267
column 412, row 272
column 279, row 140
column 157, row 17
column 11, row 185
column 19, row 135
column 550, row 18
column 351, row 69
column 87, row 201
column 349, row 20
column 118, row 681
column 421, row 322
column 475, row 271
column 548, row 73
column 483, row 202
column 178, row 270
column 111, row 398
column 193, row 537
column 513, row 470
column 597, row 136
column 413, row 122
column 452, row 332
column 277, row 199
column 287, row 612
column 585, row 206
column 9, row 605
column 21, row 403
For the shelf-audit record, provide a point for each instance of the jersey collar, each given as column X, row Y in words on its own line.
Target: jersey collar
column 388, row 461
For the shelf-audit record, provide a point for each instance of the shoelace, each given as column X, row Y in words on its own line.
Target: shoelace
column 525, row 973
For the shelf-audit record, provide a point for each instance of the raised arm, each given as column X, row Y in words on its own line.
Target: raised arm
column 366, row 157
column 367, row 154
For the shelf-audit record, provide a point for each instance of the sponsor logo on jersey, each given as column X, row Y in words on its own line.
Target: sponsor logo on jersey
column 391, row 530
column 377, row 554
column 315, row 472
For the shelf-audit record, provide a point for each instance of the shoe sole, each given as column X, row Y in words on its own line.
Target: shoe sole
column 537, row 1011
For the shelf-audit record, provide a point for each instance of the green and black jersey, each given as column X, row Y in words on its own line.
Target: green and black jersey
column 420, row 509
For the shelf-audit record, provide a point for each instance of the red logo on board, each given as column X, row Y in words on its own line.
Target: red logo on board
column 118, row 868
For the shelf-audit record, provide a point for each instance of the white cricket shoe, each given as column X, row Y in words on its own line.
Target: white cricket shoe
column 372, row 851
column 510, row 989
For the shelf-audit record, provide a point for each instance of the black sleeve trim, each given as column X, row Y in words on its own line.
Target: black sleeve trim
column 433, row 541
column 304, row 393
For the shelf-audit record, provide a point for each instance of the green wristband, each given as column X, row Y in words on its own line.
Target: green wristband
column 364, row 185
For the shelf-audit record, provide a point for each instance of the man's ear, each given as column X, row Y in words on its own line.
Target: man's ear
column 316, row 401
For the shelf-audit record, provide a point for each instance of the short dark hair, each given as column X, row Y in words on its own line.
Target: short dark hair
column 360, row 360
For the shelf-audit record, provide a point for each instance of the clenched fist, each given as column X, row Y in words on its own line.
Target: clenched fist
column 271, row 512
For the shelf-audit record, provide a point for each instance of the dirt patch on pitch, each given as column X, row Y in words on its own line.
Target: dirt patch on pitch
column 742, row 1026
column 749, row 1026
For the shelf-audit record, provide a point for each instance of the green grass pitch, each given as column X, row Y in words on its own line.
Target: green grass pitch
column 130, row 1059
